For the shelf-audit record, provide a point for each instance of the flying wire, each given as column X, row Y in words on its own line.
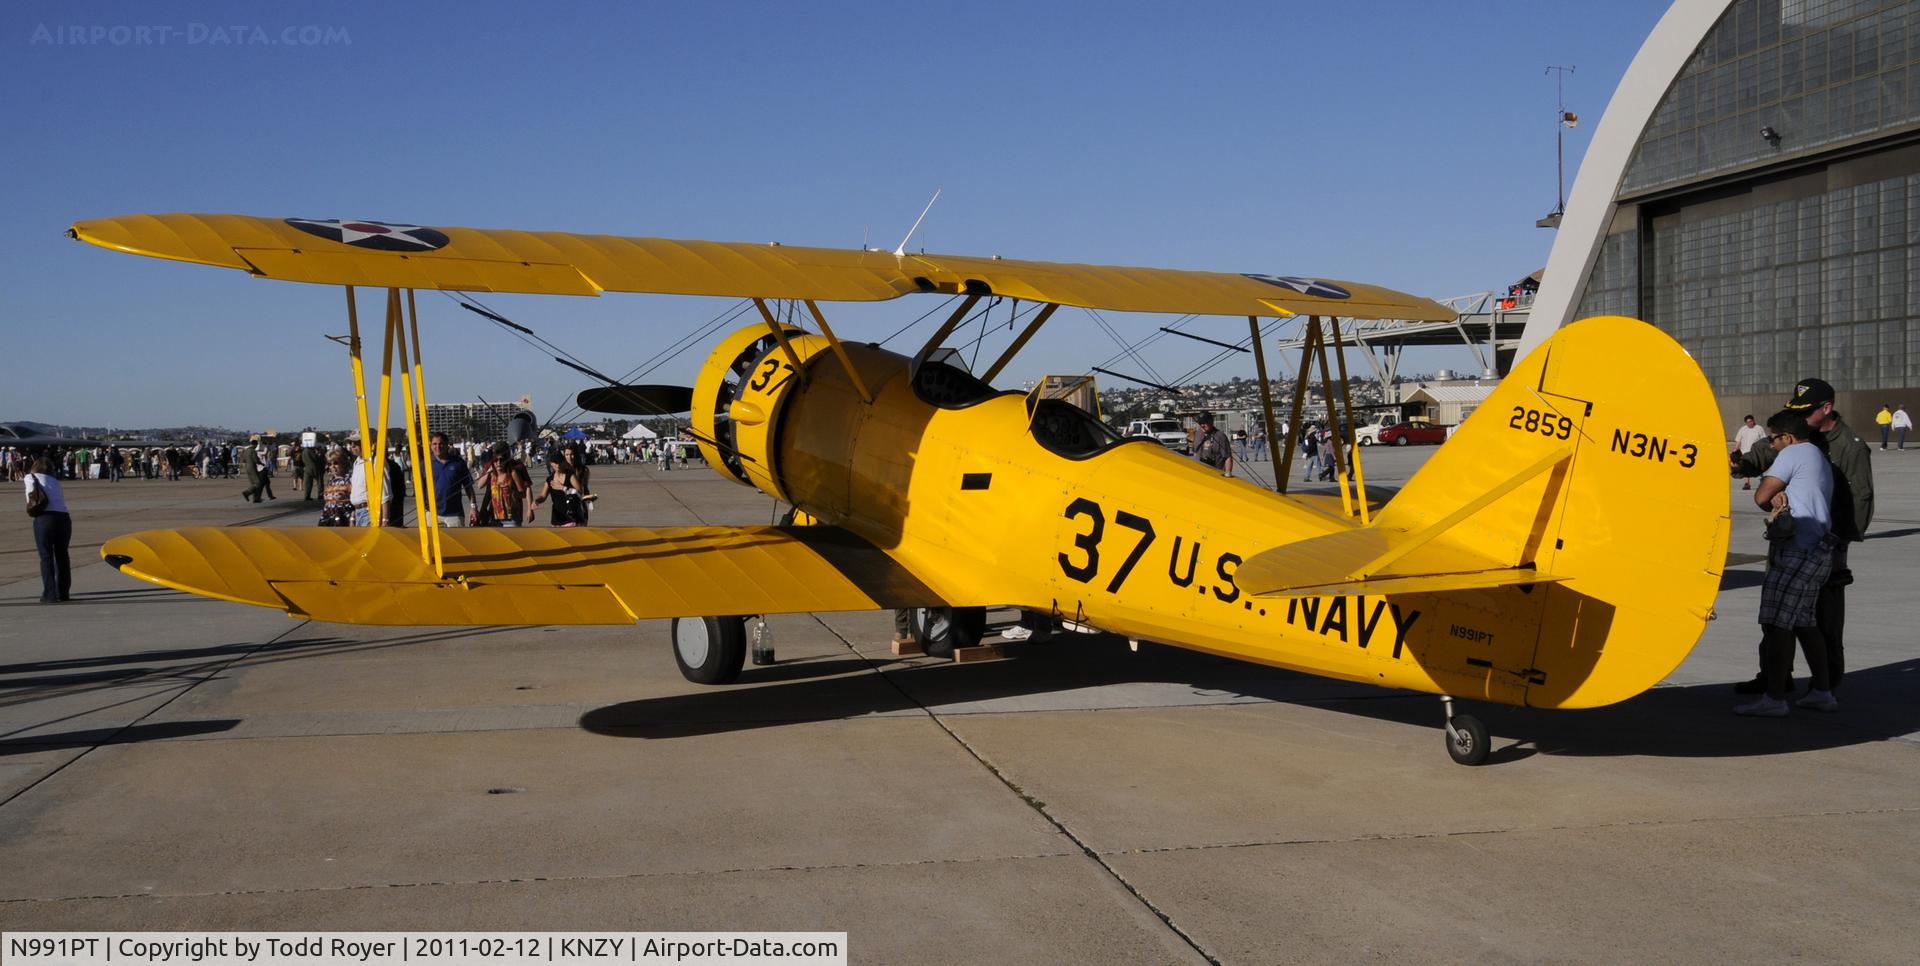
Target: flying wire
column 533, row 339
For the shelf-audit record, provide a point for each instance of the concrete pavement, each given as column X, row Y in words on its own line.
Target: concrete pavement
column 169, row 763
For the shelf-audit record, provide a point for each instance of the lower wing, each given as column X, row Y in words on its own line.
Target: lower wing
column 525, row 576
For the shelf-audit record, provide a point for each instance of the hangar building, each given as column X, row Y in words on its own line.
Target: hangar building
column 1754, row 190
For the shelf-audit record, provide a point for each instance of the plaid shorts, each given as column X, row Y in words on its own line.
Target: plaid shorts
column 1794, row 579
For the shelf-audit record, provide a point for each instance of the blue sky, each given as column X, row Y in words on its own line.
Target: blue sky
column 1408, row 144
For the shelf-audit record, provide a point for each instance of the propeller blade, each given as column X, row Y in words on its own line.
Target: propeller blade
column 637, row 400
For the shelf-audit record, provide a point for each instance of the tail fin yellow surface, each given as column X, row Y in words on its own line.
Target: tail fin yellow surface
column 1572, row 532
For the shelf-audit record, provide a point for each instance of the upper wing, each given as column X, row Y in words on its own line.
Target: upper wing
column 558, row 263
column 525, row 576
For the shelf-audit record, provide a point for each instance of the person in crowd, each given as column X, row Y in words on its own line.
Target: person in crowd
column 567, row 487
column 1211, row 446
column 452, row 483
column 504, row 483
column 1851, row 514
column 1884, row 420
column 1901, row 423
column 265, row 453
column 313, row 465
column 1798, row 487
column 1748, row 436
column 52, row 531
column 395, row 495
column 358, row 492
column 249, row 456
column 336, row 491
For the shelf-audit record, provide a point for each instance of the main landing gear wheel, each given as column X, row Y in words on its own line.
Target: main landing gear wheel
column 941, row 629
column 710, row 650
column 1467, row 741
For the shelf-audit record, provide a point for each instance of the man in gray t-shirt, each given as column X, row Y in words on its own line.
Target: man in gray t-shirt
column 1807, row 479
column 1800, row 483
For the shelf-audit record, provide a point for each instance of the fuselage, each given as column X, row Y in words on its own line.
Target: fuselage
column 999, row 498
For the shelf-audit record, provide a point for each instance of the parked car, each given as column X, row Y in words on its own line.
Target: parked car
column 1403, row 434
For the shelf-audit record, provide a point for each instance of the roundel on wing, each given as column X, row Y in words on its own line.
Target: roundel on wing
column 374, row 234
column 1305, row 286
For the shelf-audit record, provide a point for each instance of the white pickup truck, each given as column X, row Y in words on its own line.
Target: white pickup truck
column 1162, row 428
column 1368, row 434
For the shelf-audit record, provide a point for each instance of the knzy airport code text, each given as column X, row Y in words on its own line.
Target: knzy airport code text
column 340, row 949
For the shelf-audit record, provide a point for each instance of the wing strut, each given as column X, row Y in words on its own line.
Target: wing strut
column 1266, row 395
column 401, row 328
column 359, row 374
column 425, row 500
column 1312, row 344
column 1020, row 342
column 841, row 351
column 1353, row 447
column 946, row 329
column 780, row 336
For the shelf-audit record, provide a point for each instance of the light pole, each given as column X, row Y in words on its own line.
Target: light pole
column 1564, row 120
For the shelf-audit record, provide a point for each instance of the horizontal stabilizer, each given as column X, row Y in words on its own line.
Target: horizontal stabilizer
column 1375, row 561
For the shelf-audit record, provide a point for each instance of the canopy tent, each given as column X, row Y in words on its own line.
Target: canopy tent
column 574, row 433
column 640, row 431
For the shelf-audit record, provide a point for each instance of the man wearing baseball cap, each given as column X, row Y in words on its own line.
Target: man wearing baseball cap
column 1212, row 447
column 1852, row 510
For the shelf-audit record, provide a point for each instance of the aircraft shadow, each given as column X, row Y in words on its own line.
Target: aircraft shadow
column 1692, row 721
column 35, row 681
column 132, row 734
column 1738, row 579
column 1890, row 534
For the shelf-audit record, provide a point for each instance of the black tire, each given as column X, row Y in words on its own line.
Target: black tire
column 1366, row 441
column 1467, row 744
column 710, row 650
column 1402, row 441
column 942, row 629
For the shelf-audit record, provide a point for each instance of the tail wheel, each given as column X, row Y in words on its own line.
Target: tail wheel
column 942, row 629
column 710, row 650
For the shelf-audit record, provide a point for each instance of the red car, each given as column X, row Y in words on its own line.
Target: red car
column 1402, row 434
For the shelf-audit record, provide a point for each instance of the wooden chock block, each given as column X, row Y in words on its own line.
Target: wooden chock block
column 984, row 652
column 907, row 648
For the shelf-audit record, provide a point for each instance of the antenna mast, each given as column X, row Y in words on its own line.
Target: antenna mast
column 901, row 249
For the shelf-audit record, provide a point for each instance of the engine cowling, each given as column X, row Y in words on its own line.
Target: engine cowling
column 738, row 399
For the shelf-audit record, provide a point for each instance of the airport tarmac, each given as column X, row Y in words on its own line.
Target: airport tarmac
column 168, row 763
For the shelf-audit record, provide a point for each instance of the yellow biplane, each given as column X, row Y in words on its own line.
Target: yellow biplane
column 1563, row 550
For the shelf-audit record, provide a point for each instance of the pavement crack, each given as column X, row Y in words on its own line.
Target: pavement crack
column 156, row 709
column 1518, row 829
column 1039, row 807
column 515, row 880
